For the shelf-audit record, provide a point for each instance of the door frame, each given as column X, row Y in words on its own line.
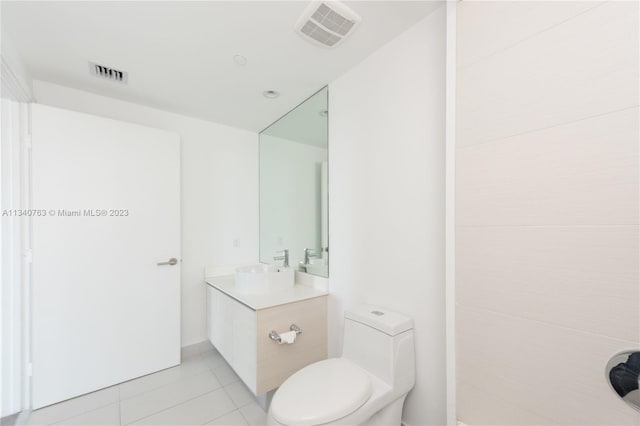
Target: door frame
column 16, row 235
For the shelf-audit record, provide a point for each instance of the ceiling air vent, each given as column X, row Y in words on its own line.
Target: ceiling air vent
column 327, row 23
column 108, row 73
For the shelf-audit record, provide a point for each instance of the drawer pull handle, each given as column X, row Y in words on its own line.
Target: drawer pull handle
column 273, row 335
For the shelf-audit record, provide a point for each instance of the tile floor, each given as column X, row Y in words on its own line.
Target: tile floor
column 203, row 390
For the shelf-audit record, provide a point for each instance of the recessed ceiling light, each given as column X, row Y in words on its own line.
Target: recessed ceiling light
column 323, row 113
column 240, row 60
column 270, row 94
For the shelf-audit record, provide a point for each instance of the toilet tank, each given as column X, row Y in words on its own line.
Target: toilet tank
column 381, row 341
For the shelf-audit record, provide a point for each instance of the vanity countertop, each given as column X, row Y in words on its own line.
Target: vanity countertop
column 226, row 284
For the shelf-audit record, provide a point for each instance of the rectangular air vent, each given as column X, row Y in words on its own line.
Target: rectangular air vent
column 108, row 73
column 327, row 23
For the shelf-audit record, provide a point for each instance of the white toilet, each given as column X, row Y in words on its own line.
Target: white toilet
column 366, row 386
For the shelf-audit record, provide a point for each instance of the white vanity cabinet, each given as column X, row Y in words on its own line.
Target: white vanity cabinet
column 239, row 329
column 232, row 330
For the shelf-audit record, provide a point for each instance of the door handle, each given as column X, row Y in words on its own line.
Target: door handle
column 172, row 261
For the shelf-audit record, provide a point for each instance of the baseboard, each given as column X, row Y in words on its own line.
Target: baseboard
column 195, row 349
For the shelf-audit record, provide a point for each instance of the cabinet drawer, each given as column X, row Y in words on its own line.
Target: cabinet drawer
column 277, row 362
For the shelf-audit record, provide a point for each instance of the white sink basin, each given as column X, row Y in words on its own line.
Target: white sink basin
column 316, row 267
column 261, row 278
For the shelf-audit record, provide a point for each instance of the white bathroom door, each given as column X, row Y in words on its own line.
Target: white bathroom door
column 107, row 200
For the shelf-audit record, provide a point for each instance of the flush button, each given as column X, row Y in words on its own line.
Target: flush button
column 379, row 313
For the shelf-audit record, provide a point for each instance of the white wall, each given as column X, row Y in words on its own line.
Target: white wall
column 290, row 178
column 219, row 168
column 547, row 209
column 386, row 198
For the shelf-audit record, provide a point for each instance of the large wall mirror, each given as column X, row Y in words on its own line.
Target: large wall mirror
column 293, row 187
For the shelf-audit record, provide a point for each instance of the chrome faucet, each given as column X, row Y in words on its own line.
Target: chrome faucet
column 308, row 254
column 284, row 256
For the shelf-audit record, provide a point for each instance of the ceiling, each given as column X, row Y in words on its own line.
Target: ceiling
column 179, row 54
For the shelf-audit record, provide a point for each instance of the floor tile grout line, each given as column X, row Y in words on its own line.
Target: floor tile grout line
column 220, row 386
column 224, row 388
column 219, row 362
column 173, row 406
column 244, row 417
column 237, row 379
column 119, row 401
column 221, row 415
column 82, row 412
column 206, row 369
column 119, row 398
column 238, row 407
column 189, row 376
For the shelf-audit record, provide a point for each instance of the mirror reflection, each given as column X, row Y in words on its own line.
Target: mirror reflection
column 293, row 188
column 623, row 372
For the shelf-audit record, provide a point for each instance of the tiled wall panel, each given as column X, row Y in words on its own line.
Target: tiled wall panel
column 547, row 209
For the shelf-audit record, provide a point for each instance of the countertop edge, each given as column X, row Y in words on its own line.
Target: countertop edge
column 281, row 298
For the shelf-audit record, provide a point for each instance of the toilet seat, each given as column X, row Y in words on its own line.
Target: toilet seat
column 322, row 392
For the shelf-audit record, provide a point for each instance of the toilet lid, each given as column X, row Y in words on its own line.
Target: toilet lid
column 321, row 392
